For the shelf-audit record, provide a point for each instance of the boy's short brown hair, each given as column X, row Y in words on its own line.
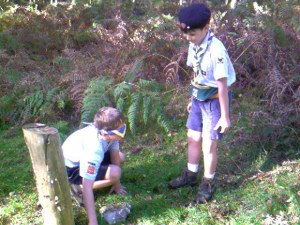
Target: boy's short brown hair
column 108, row 118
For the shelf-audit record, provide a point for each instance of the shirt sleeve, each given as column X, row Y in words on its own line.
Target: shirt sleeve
column 220, row 64
column 114, row 146
column 190, row 56
column 89, row 166
column 91, row 158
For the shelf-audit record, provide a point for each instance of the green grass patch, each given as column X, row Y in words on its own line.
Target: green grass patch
column 241, row 197
column 18, row 196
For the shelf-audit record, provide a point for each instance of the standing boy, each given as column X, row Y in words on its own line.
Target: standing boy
column 93, row 158
column 209, row 110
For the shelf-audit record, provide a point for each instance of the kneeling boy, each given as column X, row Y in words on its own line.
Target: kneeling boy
column 93, row 158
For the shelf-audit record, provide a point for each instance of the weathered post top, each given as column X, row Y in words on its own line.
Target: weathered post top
column 40, row 128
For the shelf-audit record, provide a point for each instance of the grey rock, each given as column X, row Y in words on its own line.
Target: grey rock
column 113, row 214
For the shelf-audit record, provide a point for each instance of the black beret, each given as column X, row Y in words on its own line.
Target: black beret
column 194, row 16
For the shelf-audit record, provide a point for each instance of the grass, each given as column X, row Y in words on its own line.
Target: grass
column 245, row 193
column 18, row 195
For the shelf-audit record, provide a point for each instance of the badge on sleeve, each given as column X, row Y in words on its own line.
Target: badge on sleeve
column 220, row 60
column 91, row 168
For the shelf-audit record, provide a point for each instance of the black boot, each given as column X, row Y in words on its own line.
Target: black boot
column 205, row 191
column 187, row 178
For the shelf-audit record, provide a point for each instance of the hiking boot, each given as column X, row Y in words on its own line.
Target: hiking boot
column 205, row 191
column 76, row 194
column 187, row 178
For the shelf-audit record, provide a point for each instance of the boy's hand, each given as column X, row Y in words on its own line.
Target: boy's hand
column 118, row 189
column 222, row 125
column 189, row 106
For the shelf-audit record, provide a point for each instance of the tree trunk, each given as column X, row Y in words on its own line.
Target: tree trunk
column 53, row 187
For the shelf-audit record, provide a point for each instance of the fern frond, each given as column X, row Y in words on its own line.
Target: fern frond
column 34, row 101
column 51, row 94
column 134, row 69
column 122, row 90
column 148, row 85
column 50, row 103
column 145, row 104
column 61, row 99
column 61, row 103
column 161, row 120
column 95, row 97
column 146, row 108
column 120, row 104
column 76, row 94
column 133, row 110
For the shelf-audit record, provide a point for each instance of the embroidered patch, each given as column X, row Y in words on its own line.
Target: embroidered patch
column 220, row 60
column 91, row 169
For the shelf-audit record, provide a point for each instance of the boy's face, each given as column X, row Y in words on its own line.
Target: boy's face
column 196, row 36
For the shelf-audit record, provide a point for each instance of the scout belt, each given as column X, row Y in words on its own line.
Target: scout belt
column 202, row 92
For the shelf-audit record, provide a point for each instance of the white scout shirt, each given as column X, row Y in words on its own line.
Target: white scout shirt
column 86, row 148
column 215, row 63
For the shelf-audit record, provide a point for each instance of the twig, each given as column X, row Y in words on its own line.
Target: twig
column 170, row 61
column 245, row 51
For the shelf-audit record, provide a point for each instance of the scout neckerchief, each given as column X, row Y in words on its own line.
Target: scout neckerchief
column 120, row 131
column 197, row 68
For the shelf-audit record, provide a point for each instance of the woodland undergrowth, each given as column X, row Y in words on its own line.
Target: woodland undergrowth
column 57, row 62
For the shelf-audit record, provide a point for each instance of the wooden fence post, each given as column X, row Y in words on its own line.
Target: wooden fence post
column 44, row 146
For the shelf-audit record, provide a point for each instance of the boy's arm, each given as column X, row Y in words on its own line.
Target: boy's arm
column 89, row 201
column 115, row 158
column 224, row 121
column 117, row 187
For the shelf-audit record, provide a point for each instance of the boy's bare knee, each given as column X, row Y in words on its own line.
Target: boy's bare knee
column 114, row 172
column 122, row 157
column 194, row 137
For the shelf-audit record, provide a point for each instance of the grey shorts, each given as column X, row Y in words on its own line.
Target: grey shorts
column 204, row 116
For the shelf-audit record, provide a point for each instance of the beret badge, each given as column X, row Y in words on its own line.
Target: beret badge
column 183, row 26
